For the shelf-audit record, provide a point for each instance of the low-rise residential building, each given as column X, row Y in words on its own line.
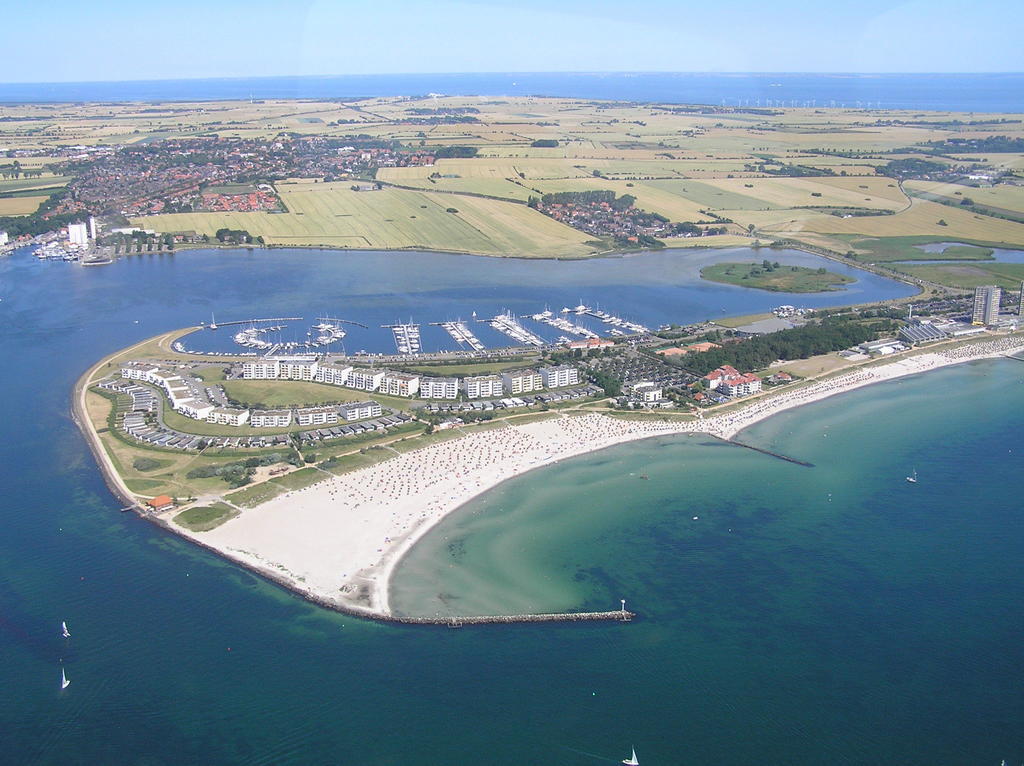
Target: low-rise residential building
column 483, row 386
column 400, row 384
column 439, row 388
column 591, row 343
column 270, row 418
column 522, row 381
column 560, row 376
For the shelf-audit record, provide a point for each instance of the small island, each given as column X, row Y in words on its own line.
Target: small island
column 775, row 277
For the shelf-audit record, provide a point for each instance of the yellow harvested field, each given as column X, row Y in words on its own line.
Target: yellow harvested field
column 20, row 205
column 922, row 218
column 332, row 214
column 1004, row 196
column 798, row 192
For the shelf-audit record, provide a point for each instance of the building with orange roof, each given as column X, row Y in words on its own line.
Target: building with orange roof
column 161, row 503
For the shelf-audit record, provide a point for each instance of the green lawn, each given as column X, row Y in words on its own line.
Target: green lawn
column 251, row 496
column 785, row 279
column 887, row 249
column 206, row 517
column 304, row 477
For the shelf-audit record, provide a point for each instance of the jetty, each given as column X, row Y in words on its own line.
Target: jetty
column 215, row 325
column 768, row 452
column 560, row 323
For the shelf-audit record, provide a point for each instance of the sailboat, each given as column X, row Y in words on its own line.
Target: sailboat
column 913, row 477
column 64, row 630
column 64, row 682
column 632, row 761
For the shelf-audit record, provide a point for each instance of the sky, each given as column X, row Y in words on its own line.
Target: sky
column 75, row 41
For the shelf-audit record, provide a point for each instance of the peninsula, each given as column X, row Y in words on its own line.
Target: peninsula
column 331, row 521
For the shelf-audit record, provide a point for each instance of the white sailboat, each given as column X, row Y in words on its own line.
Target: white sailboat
column 632, row 761
column 64, row 630
column 64, row 682
column 913, row 477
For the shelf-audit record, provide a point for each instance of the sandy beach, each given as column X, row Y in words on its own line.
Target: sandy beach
column 339, row 541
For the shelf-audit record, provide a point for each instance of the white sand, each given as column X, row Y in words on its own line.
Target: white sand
column 340, row 540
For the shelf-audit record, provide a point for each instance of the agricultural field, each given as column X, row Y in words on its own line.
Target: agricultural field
column 334, row 215
column 20, row 205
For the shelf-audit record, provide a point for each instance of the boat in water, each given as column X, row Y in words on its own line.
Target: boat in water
column 631, row 761
column 64, row 682
column 913, row 477
column 64, row 630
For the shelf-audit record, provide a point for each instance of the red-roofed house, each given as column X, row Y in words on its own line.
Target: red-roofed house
column 732, row 382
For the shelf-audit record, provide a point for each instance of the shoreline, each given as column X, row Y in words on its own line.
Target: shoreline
column 304, row 538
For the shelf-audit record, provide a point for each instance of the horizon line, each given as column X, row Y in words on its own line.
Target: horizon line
column 737, row 73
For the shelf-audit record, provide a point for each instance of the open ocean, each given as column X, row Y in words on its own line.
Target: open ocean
column 935, row 92
column 833, row 614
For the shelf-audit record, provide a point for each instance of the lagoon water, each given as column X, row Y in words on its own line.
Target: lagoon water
column 879, row 625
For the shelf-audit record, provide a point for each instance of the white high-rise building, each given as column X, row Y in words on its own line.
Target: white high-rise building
column 92, row 227
column 3, row 238
column 78, row 234
column 439, row 388
column 522, row 381
column 483, row 385
column 986, row 304
column 557, row 377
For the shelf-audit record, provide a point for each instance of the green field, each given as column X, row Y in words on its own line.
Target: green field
column 206, row 517
column 787, row 279
column 889, row 249
column 1007, row 275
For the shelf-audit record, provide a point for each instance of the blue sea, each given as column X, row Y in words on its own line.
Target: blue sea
column 921, row 92
column 834, row 614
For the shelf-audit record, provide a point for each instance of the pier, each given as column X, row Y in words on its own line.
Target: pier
column 506, row 323
column 546, row 317
column 407, row 337
column 461, row 334
column 215, row 325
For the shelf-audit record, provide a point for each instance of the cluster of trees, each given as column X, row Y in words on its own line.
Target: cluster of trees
column 545, row 143
column 612, row 386
column 799, row 343
column 237, row 237
column 15, row 170
column 40, row 222
column 454, row 152
column 995, row 144
column 240, row 473
column 912, row 168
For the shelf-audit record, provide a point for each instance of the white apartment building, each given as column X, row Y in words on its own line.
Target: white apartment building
column 78, row 234
column 228, row 416
column 522, row 381
column 297, row 368
column 333, row 374
column 491, row 386
column 561, row 376
column 261, row 369
column 647, row 392
column 365, row 380
column 271, row 418
column 400, row 384
column 197, row 409
column 316, row 416
column 360, row 410
column 439, row 388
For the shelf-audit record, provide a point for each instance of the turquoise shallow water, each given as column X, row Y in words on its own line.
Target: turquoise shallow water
column 881, row 627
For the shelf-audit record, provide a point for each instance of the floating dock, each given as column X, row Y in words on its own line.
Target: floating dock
column 506, row 323
column 407, row 337
column 615, row 321
column 461, row 334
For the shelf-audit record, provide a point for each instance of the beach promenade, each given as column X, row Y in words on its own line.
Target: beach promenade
column 338, row 541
